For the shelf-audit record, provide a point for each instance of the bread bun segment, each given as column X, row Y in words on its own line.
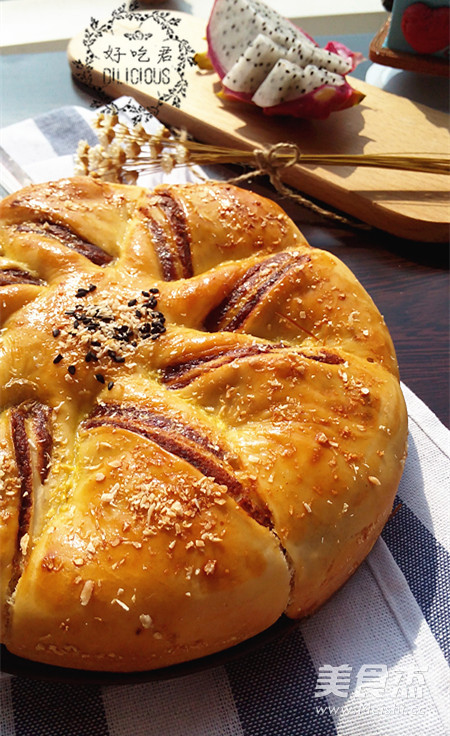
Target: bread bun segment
column 201, row 426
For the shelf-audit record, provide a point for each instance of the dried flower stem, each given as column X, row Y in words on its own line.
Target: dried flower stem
column 124, row 153
column 133, row 149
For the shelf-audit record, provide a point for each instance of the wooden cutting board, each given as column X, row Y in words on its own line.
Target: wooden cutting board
column 144, row 55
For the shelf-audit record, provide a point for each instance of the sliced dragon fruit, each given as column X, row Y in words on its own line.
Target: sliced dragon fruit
column 319, row 103
column 304, row 93
column 325, row 59
column 253, row 66
column 234, row 24
column 246, row 43
column 288, row 81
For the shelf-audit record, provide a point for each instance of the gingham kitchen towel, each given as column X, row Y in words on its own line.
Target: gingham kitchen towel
column 374, row 661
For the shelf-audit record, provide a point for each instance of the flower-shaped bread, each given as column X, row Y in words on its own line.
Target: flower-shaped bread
column 202, row 425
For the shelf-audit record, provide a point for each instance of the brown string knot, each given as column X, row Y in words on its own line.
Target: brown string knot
column 279, row 156
column 272, row 162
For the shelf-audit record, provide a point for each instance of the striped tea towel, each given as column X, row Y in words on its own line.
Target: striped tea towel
column 374, row 661
column 42, row 148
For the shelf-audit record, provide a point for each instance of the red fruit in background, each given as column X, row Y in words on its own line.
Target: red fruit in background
column 426, row 29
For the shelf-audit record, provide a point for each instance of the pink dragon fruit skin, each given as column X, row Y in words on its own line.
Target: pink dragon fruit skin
column 317, row 104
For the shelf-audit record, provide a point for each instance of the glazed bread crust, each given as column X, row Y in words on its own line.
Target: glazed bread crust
column 202, row 425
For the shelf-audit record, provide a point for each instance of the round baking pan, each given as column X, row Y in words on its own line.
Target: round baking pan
column 13, row 665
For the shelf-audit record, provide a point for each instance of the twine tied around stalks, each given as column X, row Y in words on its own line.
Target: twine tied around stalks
column 280, row 155
column 123, row 153
column 272, row 162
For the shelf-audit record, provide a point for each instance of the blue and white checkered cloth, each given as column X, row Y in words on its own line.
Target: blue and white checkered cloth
column 374, row 661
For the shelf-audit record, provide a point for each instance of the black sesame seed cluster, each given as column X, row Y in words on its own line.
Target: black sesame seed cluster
column 111, row 331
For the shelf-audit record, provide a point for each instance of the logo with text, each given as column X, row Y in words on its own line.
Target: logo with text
column 139, row 49
column 374, row 689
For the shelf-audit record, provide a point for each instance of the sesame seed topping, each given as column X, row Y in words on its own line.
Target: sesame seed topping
column 72, row 370
column 116, row 358
column 86, row 592
column 209, row 567
column 97, row 325
column 58, row 358
column 145, row 620
column 121, row 604
column 24, row 543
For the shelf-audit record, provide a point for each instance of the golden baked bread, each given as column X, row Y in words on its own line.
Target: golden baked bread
column 202, row 425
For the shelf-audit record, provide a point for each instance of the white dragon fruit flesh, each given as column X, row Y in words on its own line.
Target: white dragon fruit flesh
column 265, row 59
column 253, row 66
column 287, row 82
column 233, row 24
